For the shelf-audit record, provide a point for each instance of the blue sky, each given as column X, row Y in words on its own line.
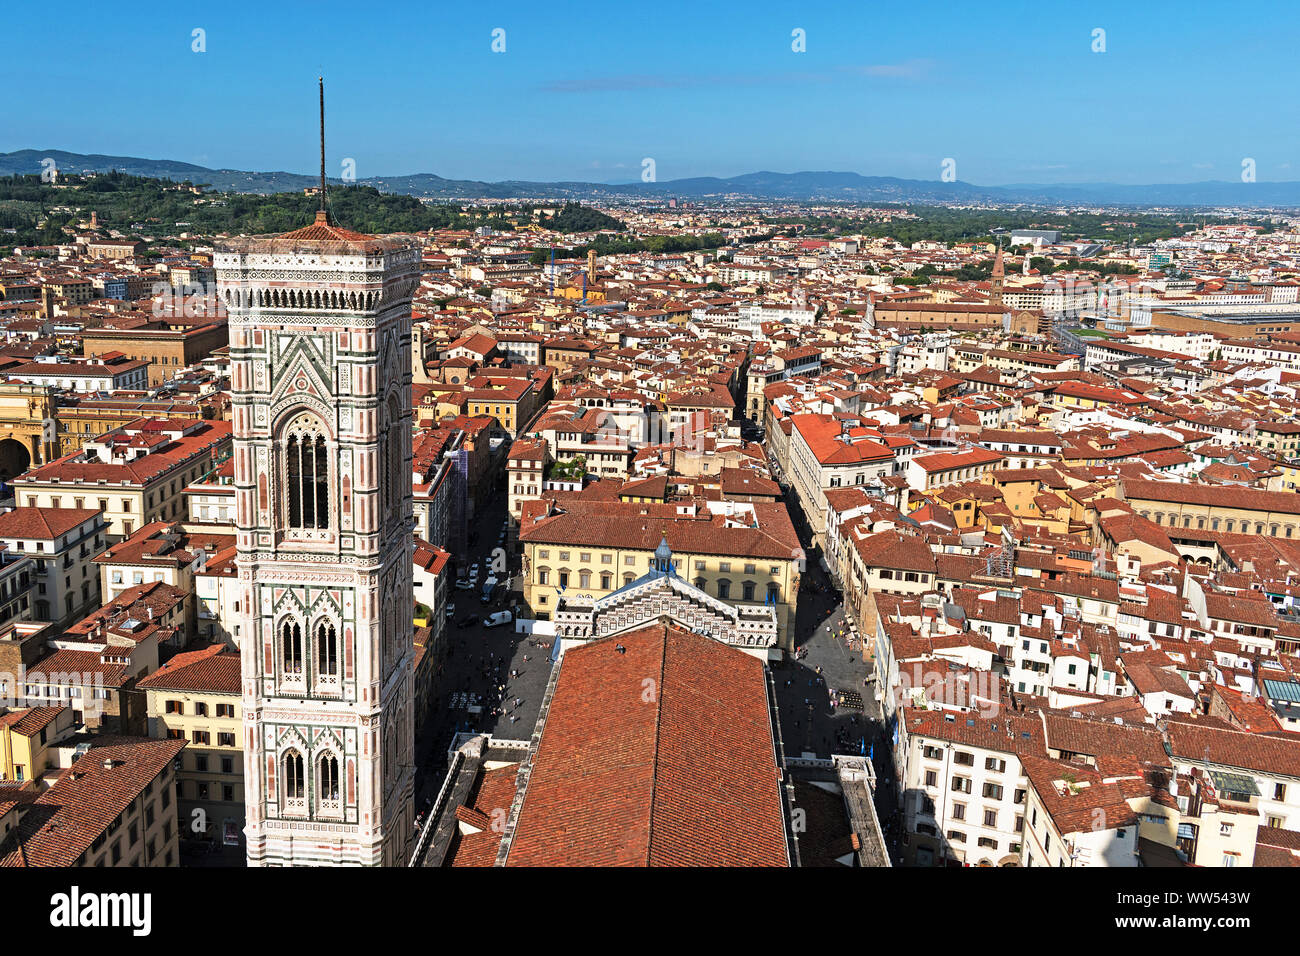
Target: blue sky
column 1013, row 92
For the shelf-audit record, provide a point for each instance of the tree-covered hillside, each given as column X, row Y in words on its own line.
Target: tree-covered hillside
column 152, row 208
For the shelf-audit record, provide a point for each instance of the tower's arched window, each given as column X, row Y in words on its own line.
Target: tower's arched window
column 294, row 779
column 393, row 456
column 327, row 779
column 397, row 449
column 327, row 652
column 307, row 474
column 291, row 648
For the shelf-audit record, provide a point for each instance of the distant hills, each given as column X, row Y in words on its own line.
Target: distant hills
column 800, row 186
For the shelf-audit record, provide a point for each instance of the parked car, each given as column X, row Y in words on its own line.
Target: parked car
column 469, row 620
column 451, row 608
column 464, row 584
column 499, row 618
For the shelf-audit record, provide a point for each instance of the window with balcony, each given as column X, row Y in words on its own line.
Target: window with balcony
column 291, row 650
column 293, row 781
column 327, row 654
column 327, row 775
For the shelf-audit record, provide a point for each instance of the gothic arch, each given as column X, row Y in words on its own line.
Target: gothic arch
column 308, row 460
column 326, row 651
column 329, row 780
column 394, row 455
column 293, row 776
column 291, row 648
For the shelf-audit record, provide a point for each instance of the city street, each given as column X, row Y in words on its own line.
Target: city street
column 828, row 663
column 485, row 668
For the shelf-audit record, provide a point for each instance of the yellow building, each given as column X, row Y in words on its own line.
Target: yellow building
column 593, row 548
column 196, row 697
column 26, row 432
column 81, row 419
column 1274, row 514
column 115, row 806
column 26, row 736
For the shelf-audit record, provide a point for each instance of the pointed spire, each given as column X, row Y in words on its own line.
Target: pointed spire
column 664, row 557
column 322, row 215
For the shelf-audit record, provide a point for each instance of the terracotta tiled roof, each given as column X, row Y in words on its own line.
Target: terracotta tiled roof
column 30, row 721
column 63, row 822
column 213, row 669
column 656, row 750
column 1259, row 753
column 1283, row 502
column 43, row 523
column 1074, row 794
column 628, row 526
column 323, row 230
column 493, row 795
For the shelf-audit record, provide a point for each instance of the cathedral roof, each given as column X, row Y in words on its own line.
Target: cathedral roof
column 681, row 776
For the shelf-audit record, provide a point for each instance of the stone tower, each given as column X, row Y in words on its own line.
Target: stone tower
column 320, row 331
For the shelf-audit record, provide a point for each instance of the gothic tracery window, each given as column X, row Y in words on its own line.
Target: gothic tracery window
column 307, row 474
column 327, row 652
column 294, row 778
column 291, row 649
column 327, row 779
column 393, row 455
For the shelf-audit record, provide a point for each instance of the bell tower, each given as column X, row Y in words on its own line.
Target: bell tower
column 320, row 330
column 998, row 279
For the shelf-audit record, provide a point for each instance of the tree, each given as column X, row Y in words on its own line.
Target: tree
column 570, row 469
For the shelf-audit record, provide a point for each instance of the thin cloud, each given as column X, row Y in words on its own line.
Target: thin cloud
column 630, row 82
column 908, row 69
